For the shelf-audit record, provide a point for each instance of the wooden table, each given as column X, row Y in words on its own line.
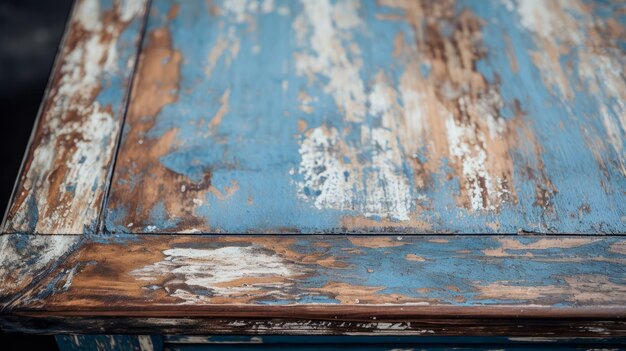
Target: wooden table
column 264, row 168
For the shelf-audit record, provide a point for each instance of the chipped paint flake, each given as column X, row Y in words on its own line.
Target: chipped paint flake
column 228, row 272
column 327, row 26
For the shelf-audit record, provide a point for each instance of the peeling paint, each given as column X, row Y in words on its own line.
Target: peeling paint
column 395, row 116
column 226, row 273
column 66, row 168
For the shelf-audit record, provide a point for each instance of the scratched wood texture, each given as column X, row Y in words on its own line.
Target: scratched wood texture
column 375, row 117
column 414, row 285
column 65, row 173
column 317, row 343
column 326, row 117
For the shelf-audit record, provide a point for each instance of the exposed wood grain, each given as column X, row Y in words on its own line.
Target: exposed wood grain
column 125, row 271
column 271, row 279
column 317, row 342
column 61, row 187
column 376, row 117
column 25, row 258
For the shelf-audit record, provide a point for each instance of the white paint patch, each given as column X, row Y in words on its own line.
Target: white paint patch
column 88, row 15
column 241, row 10
column 336, row 176
column 324, row 173
column 145, row 343
column 467, row 145
column 388, row 193
column 375, row 188
column 130, row 9
column 214, row 269
column 268, row 6
column 322, row 29
column 86, row 166
column 463, row 146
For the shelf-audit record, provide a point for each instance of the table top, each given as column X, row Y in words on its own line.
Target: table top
column 365, row 117
column 400, row 166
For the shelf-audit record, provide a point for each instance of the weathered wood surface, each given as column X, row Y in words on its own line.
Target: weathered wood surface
column 574, row 286
column 26, row 258
column 327, row 343
column 376, row 116
column 327, row 117
column 65, row 174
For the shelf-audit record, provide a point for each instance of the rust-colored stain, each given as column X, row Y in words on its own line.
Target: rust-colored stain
column 156, row 86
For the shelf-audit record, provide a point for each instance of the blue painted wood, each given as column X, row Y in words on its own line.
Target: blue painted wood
column 205, row 272
column 109, row 342
column 376, row 117
column 66, row 169
column 407, row 341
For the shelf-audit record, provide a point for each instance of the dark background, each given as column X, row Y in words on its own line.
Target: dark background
column 30, row 32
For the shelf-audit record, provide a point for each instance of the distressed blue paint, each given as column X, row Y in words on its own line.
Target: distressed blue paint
column 107, row 342
column 256, row 144
column 452, row 271
column 512, row 273
column 444, row 267
column 255, row 151
column 65, row 175
column 342, row 339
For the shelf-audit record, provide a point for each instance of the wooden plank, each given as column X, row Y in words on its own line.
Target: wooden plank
column 66, row 170
column 376, row 116
column 571, row 286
